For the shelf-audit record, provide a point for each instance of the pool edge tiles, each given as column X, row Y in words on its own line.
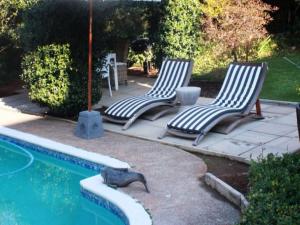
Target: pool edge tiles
column 117, row 201
column 62, row 148
column 134, row 211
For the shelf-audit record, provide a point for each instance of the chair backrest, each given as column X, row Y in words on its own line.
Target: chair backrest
column 174, row 73
column 110, row 60
column 241, row 86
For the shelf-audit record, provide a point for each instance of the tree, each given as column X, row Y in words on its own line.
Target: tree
column 124, row 21
column 10, row 51
column 236, row 25
column 179, row 30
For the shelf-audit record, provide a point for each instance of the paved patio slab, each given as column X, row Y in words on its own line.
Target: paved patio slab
column 241, row 144
column 178, row 195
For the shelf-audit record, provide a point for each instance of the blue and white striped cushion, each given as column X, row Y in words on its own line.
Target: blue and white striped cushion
column 239, row 88
column 173, row 74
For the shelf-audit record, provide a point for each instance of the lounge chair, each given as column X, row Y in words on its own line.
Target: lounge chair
column 238, row 94
column 174, row 73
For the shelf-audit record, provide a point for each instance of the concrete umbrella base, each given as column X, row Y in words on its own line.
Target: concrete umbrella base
column 89, row 125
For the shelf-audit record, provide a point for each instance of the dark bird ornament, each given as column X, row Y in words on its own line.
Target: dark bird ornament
column 122, row 177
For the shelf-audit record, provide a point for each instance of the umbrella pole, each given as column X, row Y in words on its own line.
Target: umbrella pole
column 90, row 55
column 89, row 123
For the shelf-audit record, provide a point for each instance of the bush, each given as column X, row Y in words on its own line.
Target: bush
column 53, row 80
column 274, row 195
column 179, row 32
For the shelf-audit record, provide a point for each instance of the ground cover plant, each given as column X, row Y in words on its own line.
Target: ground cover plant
column 274, row 191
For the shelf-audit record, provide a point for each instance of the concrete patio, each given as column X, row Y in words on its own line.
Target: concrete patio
column 276, row 133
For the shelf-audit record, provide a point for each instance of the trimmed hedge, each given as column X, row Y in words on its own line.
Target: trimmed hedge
column 179, row 33
column 53, row 80
column 275, row 191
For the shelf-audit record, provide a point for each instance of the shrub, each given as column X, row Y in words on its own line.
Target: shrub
column 53, row 80
column 179, row 32
column 274, row 194
column 236, row 25
column 266, row 47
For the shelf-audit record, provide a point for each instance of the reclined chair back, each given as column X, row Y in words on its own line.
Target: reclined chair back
column 241, row 87
column 174, row 73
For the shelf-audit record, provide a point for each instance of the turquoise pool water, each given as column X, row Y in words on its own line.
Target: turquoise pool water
column 36, row 189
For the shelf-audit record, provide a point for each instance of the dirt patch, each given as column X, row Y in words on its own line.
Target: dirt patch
column 139, row 71
column 10, row 89
column 232, row 172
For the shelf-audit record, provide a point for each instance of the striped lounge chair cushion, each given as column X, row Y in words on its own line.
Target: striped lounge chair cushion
column 237, row 92
column 173, row 74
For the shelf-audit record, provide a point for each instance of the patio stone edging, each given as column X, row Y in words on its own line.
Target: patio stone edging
column 277, row 102
column 226, row 190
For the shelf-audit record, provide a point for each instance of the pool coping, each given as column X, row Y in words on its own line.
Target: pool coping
column 92, row 187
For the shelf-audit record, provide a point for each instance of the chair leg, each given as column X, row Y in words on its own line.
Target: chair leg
column 129, row 122
column 109, row 86
column 116, row 77
column 163, row 134
column 198, row 139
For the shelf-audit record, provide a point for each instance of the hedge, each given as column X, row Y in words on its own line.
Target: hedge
column 274, row 191
column 53, row 80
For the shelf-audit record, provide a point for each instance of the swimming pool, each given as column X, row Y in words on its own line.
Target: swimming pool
column 41, row 186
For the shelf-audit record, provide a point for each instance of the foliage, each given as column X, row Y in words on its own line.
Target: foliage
column 10, row 53
column 274, row 194
column 207, row 60
column 140, row 58
column 179, row 32
column 9, row 15
column 124, row 21
column 236, row 25
column 52, row 80
column 266, row 47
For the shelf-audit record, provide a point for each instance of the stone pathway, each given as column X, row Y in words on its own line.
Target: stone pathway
column 178, row 194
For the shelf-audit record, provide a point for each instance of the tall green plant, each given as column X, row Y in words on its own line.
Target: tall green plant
column 10, row 51
column 52, row 80
column 179, row 32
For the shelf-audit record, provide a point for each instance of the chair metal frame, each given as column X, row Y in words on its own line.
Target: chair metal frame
column 241, row 116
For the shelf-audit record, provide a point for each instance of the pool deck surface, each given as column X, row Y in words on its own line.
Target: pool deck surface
column 178, row 194
column 277, row 133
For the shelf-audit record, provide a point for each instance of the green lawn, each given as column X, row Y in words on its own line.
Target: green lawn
column 281, row 82
column 282, row 78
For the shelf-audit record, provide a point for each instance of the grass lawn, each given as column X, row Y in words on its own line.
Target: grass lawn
column 282, row 78
column 281, row 82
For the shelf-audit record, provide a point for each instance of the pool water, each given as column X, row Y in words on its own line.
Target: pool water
column 36, row 189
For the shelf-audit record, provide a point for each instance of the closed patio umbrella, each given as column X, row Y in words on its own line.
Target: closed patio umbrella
column 89, row 123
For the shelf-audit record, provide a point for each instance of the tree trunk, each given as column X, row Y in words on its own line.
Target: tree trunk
column 235, row 58
column 122, row 48
column 247, row 52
